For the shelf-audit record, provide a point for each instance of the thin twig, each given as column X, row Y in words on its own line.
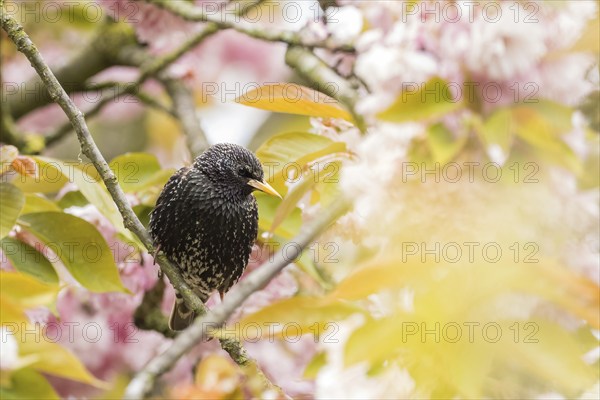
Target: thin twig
column 150, row 101
column 185, row 112
column 90, row 149
column 143, row 382
column 9, row 134
column 100, row 53
column 149, row 67
column 144, row 97
column 190, row 12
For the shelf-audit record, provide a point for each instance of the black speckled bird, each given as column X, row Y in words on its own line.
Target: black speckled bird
column 206, row 221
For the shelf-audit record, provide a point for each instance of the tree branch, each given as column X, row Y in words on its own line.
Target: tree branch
column 9, row 133
column 184, row 109
column 148, row 315
column 150, row 66
column 88, row 147
column 143, row 382
column 97, row 55
column 190, row 12
column 324, row 79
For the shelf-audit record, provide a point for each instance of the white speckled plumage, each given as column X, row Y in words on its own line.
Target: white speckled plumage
column 206, row 220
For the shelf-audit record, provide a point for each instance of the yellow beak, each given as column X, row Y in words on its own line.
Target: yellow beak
column 264, row 187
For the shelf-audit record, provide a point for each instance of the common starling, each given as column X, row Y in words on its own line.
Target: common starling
column 206, row 221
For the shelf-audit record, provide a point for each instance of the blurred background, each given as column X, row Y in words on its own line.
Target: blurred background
column 464, row 134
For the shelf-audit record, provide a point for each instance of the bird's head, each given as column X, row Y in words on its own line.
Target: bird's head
column 233, row 168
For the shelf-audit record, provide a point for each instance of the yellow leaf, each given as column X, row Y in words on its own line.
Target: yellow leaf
column 55, row 360
column 294, row 317
column 294, row 99
column 27, row 291
column 544, row 134
column 11, row 312
column 163, row 130
column 375, row 277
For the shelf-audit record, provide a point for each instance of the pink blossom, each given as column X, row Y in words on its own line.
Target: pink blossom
column 504, row 48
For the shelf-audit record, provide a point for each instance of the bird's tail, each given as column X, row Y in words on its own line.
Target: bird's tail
column 181, row 315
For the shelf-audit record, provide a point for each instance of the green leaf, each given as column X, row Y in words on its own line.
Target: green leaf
column 267, row 206
column 444, row 147
column 307, row 263
column 87, row 180
column 81, row 248
column 328, row 188
column 288, row 205
column 98, row 195
column 430, row 100
column 143, row 213
column 294, row 99
column 558, row 115
column 290, row 153
column 133, row 170
column 497, row 132
column 159, row 178
column 28, row 260
column 287, row 229
column 11, row 204
column 73, row 199
column 26, row 384
column 38, row 203
column 542, row 134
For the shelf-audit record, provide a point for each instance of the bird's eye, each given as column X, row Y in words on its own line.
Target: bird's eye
column 243, row 172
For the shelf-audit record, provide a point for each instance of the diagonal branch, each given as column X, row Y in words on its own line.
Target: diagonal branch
column 149, row 67
column 185, row 111
column 324, row 79
column 143, row 382
column 190, row 12
column 88, row 147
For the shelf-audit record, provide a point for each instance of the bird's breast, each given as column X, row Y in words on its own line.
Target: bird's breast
column 208, row 234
